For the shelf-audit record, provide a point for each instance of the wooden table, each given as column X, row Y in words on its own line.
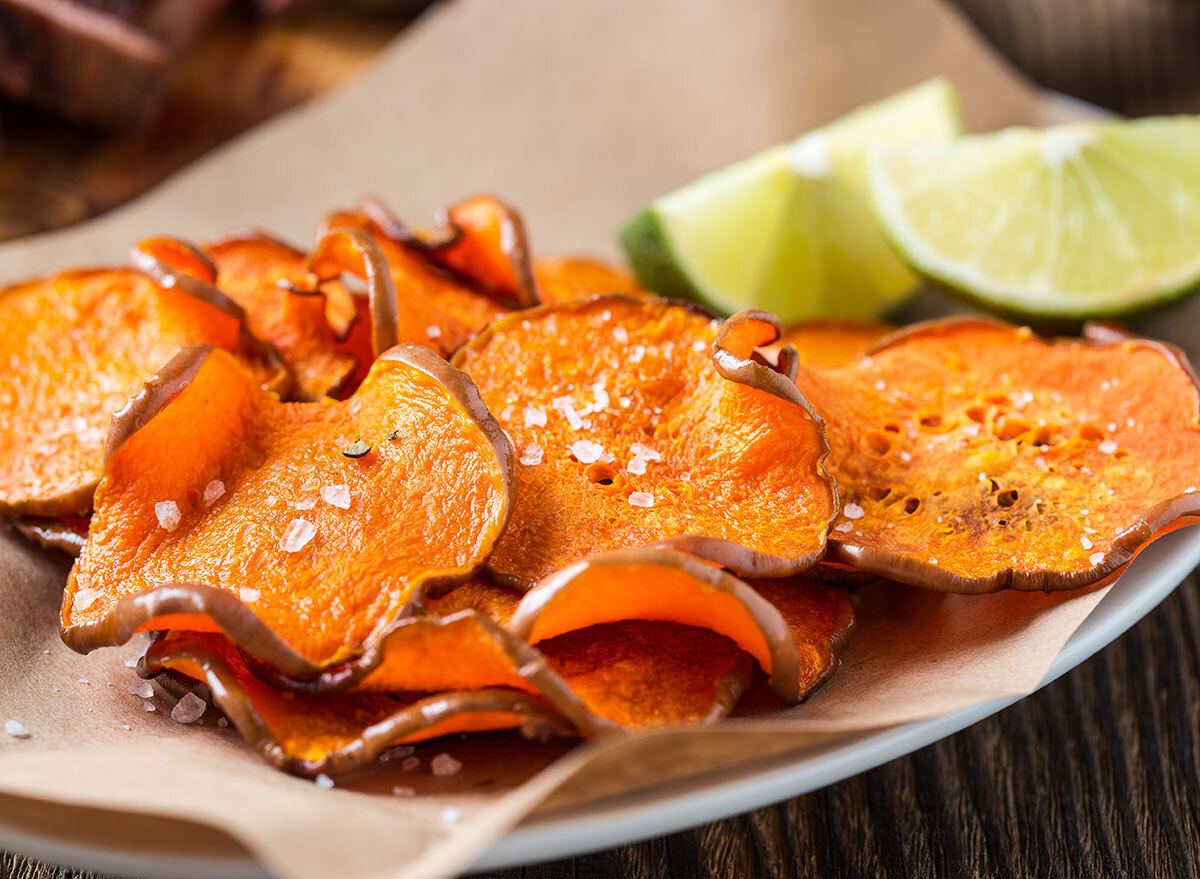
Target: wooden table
column 1097, row 775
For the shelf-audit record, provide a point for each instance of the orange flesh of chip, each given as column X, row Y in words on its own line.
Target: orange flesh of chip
column 75, row 348
column 303, row 328
column 974, row 449
column 831, row 342
column 820, row 618
column 426, row 504
column 489, row 249
column 305, row 732
column 436, row 310
column 734, row 462
column 561, row 279
column 646, row 674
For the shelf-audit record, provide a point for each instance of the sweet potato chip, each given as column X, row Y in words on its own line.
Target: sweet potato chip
column 307, row 735
column 797, row 650
column 302, row 530
column 650, row 422
column 561, row 279
column 269, row 279
column 975, row 456
column 67, row 534
column 830, row 342
column 78, row 344
column 434, row 307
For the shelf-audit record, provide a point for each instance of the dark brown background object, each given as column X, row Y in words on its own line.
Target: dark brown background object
column 1097, row 775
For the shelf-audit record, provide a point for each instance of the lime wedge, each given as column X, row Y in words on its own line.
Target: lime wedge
column 790, row 229
column 1077, row 221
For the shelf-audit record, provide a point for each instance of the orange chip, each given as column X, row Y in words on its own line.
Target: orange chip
column 563, row 278
column 974, row 456
column 797, row 649
column 650, row 422
column 341, row 732
column 78, row 344
column 302, row 530
column 431, row 306
column 269, row 280
column 67, row 534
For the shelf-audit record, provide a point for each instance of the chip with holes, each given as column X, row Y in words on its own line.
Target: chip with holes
column 424, row 511
column 77, row 345
column 654, row 423
column 974, row 456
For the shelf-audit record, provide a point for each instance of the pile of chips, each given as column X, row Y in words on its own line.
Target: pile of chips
column 413, row 483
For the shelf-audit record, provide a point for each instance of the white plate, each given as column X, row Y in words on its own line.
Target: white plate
column 697, row 799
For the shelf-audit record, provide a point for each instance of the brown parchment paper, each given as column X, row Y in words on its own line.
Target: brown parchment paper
column 579, row 113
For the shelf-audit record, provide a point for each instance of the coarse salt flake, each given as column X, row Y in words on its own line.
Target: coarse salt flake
column 644, row 451
column 213, row 492
column 565, row 408
column 1096, row 558
column 532, row 455
column 845, row 527
column 16, row 729
column 1087, row 543
column 147, row 706
column 336, row 496
column 534, row 417
column 586, row 451
column 637, row 466
column 248, row 594
column 297, row 535
column 167, row 513
column 408, row 764
column 189, row 709
column 402, row 790
column 307, row 504
column 443, row 764
column 641, row 499
column 699, row 345
column 621, row 335
column 222, row 722
column 141, row 689
column 433, row 331
column 451, row 815
column 85, row 598
column 853, row 511
column 1107, row 447
column 323, row 781
column 624, row 402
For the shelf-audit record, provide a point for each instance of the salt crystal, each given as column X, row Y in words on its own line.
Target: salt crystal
column 222, row 722
column 621, row 335
column 401, row 790
column 1112, row 426
column 147, row 706
column 879, row 386
column 1105, row 385
column 983, row 477
column 506, row 414
column 125, row 726
column 638, row 352
column 534, row 417
column 85, row 598
column 408, row 764
column 443, row 764
column 213, row 492
column 168, row 514
column 141, row 689
column 933, row 561
column 248, row 594
column 644, row 451
column 905, row 456
column 189, row 709
column 1107, row 447
column 1096, row 558
column 971, row 429
column 699, row 345
column 641, row 499
column 1129, row 422
column 323, row 781
column 83, row 680
column 567, row 410
column 451, row 815
column 845, row 527
column 433, row 331
column 1087, row 544
column 16, row 729
column 1040, row 461
column 532, row 456
column 601, row 397
column 624, row 402
column 853, row 511
column 1191, row 489
column 586, row 451
column 605, row 316
column 336, row 496
column 637, row 466
column 299, row 532
column 306, row 504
